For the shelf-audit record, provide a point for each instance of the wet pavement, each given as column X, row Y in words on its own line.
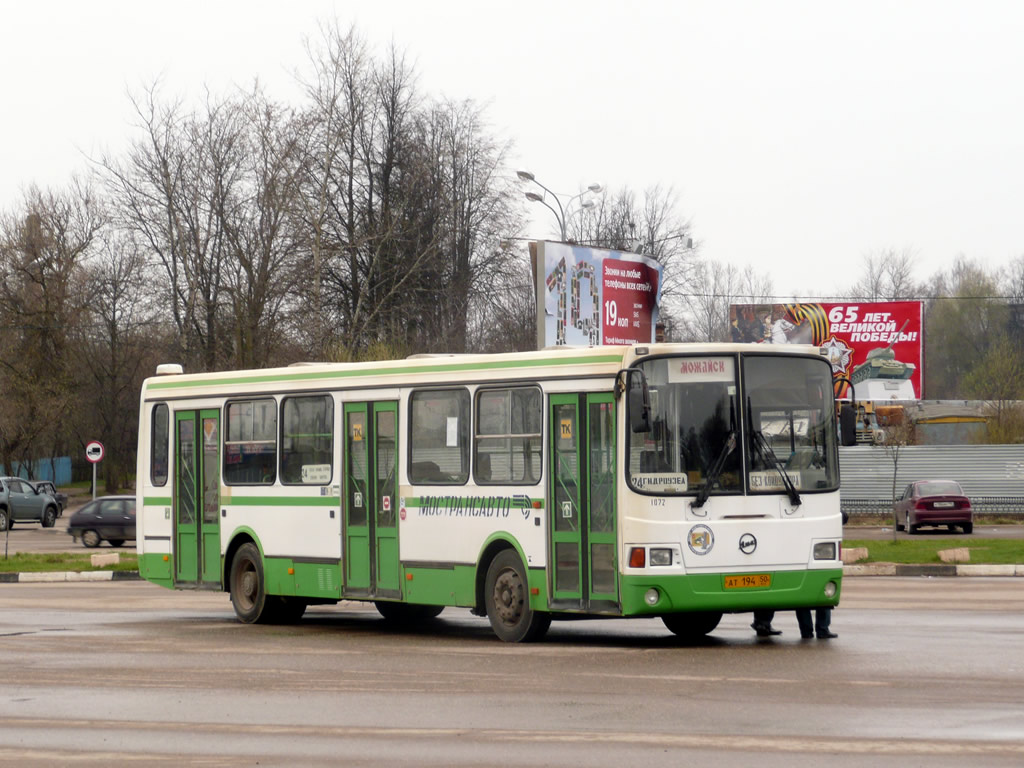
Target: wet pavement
column 924, row 672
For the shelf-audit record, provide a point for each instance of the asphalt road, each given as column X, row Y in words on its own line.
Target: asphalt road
column 926, row 672
column 32, row 537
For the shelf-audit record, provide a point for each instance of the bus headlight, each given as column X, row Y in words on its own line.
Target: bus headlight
column 830, row 589
column 652, row 596
column 825, row 550
column 661, row 556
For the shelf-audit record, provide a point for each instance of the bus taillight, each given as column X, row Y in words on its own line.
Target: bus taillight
column 637, row 557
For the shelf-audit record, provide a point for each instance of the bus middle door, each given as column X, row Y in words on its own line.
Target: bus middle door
column 582, row 503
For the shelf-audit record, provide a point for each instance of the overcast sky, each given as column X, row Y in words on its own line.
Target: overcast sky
column 799, row 136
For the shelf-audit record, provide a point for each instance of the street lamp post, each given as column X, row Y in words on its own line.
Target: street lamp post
column 560, row 214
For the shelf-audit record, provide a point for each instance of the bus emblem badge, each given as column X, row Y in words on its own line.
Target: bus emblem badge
column 748, row 543
column 700, row 539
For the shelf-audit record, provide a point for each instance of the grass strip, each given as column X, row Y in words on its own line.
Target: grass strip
column 925, row 551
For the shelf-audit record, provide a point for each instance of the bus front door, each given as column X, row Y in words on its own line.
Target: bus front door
column 371, row 486
column 197, row 497
column 582, row 503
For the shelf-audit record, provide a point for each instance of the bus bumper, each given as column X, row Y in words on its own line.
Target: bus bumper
column 708, row 592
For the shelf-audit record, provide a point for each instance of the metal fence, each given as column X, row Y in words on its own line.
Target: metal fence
column 992, row 476
column 57, row 470
column 985, row 505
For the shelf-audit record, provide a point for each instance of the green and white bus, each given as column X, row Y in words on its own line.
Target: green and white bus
column 668, row 480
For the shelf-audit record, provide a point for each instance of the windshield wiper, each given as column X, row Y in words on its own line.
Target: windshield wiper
column 716, row 470
column 768, row 457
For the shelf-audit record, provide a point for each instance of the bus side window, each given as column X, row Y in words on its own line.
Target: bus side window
column 160, row 445
column 307, row 440
column 439, row 436
column 250, row 442
column 507, row 442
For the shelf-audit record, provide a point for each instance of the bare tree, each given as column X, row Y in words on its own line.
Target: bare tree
column 651, row 226
column 963, row 317
column 887, row 275
column 898, row 434
column 261, row 273
column 172, row 190
column 713, row 288
column 117, row 343
column 336, row 91
column 211, row 193
column 1013, row 280
column 42, row 247
column 504, row 316
column 403, row 204
column 998, row 379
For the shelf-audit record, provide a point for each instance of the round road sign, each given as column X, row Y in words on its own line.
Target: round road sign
column 94, row 451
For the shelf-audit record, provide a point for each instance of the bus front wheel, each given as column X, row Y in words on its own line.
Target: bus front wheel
column 692, row 626
column 507, row 600
column 248, row 590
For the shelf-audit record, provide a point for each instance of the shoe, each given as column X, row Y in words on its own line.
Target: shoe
column 826, row 635
column 807, row 636
column 765, row 630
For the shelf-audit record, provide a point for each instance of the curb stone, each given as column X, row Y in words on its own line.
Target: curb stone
column 898, row 569
column 46, row 577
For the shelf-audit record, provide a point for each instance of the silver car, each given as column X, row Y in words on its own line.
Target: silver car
column 20, row 502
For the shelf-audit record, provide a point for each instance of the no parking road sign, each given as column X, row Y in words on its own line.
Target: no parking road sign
column 94, row 451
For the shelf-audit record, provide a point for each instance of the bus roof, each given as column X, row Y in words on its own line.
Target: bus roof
column 434, row 369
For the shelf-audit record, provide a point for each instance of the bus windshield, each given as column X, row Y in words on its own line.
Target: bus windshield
column 791, row 424
column 710, row 436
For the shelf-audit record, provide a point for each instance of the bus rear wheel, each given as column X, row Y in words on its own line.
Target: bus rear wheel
column 248, row 588
column 507, row 601
column 692, row 626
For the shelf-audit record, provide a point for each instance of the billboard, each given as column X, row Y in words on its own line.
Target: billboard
column 877, row 345
column 591, row 296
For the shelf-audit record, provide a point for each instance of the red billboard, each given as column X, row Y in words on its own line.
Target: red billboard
column 589, row 296
column 876, row 345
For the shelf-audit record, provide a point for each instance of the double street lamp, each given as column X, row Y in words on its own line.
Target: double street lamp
column 560, row 214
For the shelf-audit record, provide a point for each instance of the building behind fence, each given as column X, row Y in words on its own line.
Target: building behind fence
column 57, row 470
column 992, row 476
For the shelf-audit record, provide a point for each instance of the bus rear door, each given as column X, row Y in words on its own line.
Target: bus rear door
column 371, row 566
column 197, row 498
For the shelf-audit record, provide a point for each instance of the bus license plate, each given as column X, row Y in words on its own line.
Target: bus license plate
column 748, row 581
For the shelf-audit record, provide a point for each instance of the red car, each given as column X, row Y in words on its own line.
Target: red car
column 933, row 502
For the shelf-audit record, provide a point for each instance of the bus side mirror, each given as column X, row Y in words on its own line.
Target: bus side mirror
column 848, row 424
column 639, row 402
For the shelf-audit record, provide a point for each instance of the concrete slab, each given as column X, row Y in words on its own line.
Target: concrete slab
column 955, row 555
column 854, row 554
column 988, row 570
